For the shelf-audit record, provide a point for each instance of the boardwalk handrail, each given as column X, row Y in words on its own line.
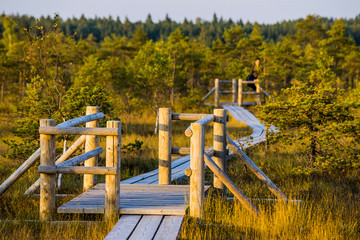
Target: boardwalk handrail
column 165, row 147
column 35, row 156
column 236, row 92
column 47, row 168
column 203, row 121
column 61, row 159
column 198, row 158
column 257, row 171
column 230, row 185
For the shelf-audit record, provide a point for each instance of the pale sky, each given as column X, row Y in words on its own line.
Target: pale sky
column 262, row 11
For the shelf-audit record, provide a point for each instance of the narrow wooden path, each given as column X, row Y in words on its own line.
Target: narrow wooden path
column 152, row 211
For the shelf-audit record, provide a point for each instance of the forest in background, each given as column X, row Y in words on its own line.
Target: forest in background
column 50, row 68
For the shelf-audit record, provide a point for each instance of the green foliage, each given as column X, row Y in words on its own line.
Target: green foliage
column 316, row 116
column 131, row 147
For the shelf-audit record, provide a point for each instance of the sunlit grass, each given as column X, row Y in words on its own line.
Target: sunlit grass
column 329, row 208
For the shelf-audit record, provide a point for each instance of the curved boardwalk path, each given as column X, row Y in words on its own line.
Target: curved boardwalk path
column 163, row 209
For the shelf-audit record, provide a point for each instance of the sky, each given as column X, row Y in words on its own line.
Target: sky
column 261, row 11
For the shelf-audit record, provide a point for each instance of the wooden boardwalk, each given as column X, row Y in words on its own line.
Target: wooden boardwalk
column 152, row 211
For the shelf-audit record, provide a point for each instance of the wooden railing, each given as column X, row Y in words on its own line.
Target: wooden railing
column 214, row 157
column 165, row 146
column 236, row 92
column 48, row 168
column 36, row 155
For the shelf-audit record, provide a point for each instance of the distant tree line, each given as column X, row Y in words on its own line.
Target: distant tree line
column 201, row 30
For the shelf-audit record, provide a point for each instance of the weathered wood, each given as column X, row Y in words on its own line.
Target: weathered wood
column 258, row 90
column 248, row 82
column 231, row 186
column 35, row 156
column 183, row 150
column 197, row 178
column 123, row 228
column 188, row 172
column 112, row 182
column 204, row 121
column 165, row 146
column 147, row 227
column 81, row 120
column 81, row 158
column 252, row 166
column 208, row 94
column 250, row 93
column 217, row 95
column 219, row 132
column 234, row 90
column 135, row 199
column 240, row 90
column 226, row 92
column 91, row 142
column 225, row 81
column 61, row 159
column 188, row 116
column 169, row 228
column 47, row 184
column 77, row 170
column 79, row 131
column 266, row 94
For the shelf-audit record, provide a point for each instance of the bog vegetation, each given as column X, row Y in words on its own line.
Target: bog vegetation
column 50, row 68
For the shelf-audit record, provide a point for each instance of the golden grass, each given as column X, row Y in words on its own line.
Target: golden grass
column 329, row 208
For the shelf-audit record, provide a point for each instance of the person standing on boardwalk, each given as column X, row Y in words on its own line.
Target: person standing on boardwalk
column 255, row 71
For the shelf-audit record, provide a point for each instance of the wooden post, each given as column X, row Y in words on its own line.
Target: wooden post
column 220, row 145
column 240, row 96
column 234, row 90
column 258, row 90
column 217, row 95
column 197, row 177
column 47, row 184
column 164, row 146
column 112, row 182
column 91, row 142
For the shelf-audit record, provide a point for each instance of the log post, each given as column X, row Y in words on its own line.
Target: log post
column 220, row 146
column 217, row 94
column 48, row 181
column 112, row 182
column 240, row 96
column 197, row 178
column 258, row 90
column 91, row 142
column 164, row 146
column 234, row 90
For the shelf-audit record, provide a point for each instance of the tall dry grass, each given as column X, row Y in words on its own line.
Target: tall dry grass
column 329, row 207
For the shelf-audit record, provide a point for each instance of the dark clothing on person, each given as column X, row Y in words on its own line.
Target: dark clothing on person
column 253, row 75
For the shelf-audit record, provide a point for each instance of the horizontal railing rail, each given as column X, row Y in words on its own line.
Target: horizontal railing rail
column 48, row 169
column 35, row 156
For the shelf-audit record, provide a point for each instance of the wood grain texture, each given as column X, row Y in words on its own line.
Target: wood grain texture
column 124, row 227
column 169, row 228
column 147, row 227
column 47, row 181
column 91, row 142
column 219, row 133
column 197, row 178
column 164, row 145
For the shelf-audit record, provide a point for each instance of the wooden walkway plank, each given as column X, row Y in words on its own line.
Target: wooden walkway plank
column 153, row 212
column 169, row 228
column 146, row 228
column 124, row 227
